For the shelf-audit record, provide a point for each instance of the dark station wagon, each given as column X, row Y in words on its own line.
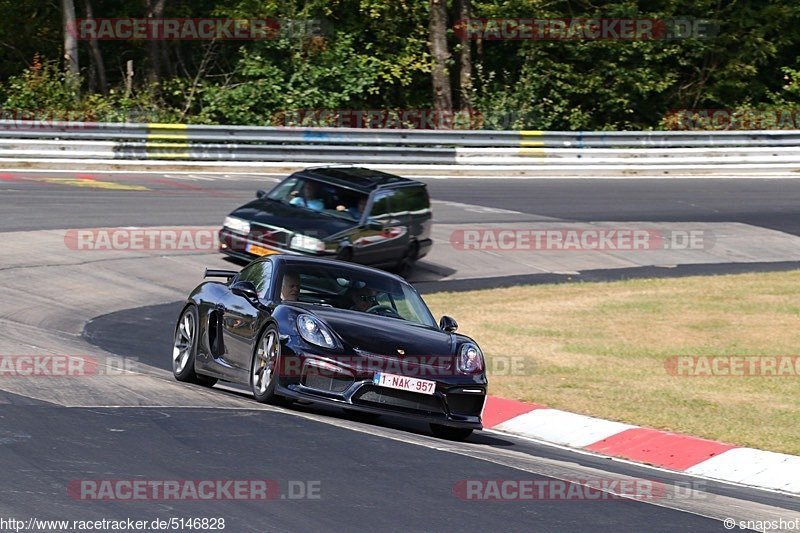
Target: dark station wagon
column 348, row 213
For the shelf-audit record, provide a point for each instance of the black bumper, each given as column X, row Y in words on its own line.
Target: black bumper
column 235, row 245
column 458, row 400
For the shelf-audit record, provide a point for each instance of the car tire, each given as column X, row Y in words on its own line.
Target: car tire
column 345, row 254
column 266, row 359
column 450, row 433
column 184, row 349
column 409, row 259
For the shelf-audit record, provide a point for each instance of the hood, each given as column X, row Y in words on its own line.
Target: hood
column 384, row 336
column 292, row 218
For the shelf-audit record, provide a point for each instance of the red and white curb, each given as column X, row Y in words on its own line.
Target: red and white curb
column 681, row 453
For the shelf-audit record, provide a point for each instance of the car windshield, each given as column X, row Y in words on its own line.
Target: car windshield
column 321, row 197
column 355, row 290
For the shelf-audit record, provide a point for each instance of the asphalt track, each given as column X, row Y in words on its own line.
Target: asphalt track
column 365, row 481
column 41, row 200
column 388, row 475
column 51, row 200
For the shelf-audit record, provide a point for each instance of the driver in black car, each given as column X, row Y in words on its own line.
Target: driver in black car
column 290, row 288
column 362, row 299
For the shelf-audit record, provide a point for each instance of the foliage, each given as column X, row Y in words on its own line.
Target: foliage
column 373, row 54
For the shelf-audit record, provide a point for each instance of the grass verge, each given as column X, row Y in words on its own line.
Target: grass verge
column 603, row 349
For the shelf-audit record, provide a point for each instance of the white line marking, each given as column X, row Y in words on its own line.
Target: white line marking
column 473, row 208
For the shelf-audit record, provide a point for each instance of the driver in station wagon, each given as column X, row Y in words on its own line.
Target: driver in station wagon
column 310, row 197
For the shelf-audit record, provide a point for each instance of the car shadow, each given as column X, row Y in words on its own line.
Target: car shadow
column 384, row 421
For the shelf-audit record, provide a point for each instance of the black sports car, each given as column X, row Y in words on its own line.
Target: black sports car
column 302, row 328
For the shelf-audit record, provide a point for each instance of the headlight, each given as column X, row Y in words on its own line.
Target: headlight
column 470, row 359
column 315, row 332
column 237, row 224
column 306, row 243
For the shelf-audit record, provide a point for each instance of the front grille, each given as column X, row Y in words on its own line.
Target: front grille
column 270, row 235
column 398, row 398
column 465, row 404
column 326, row 380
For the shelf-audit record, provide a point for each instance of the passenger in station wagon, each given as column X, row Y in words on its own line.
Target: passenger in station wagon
column 290, row 289
column 357, row 210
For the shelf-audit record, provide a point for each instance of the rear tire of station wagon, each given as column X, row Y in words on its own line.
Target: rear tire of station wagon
column 406, row 264
column 450, row 433
column 345, row 254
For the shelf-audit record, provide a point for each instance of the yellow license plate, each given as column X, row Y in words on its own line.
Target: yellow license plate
column 259, row 250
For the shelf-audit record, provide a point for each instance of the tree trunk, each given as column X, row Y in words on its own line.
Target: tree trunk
column 97, row 57
column 465, row 57
column 155, row 9
column 70, row 38
column 128, row 78
column 437, row 42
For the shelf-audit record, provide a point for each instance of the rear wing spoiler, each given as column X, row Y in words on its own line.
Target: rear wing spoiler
column 213, row 273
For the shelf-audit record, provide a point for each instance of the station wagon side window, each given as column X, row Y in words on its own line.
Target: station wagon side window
column 382, row 206
column 260, row 274
column 411, row 201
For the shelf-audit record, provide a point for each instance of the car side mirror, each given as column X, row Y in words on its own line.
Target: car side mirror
column 448, row 324
column 246, row 289
column 261, row 193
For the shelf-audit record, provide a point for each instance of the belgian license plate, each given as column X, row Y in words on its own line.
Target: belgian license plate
column 393, row 381
column 259, row 250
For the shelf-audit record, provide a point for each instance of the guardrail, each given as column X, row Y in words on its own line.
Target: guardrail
column 128, row 141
